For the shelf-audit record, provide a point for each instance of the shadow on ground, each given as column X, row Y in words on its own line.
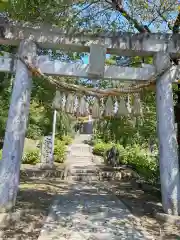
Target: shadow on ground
column 32, row 206
column 142, row 205
column 36, row 195
column 88, row 210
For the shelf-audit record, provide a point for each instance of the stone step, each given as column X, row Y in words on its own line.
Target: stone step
column 79, row 159
column 80, row 149
column 83, row 171
column 73, row 151
column 100, row 174
column 80, row 155
column 79, row 145
column 85, row 178
column 88, row 210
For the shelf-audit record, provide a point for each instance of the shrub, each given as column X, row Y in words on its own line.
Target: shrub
column 31, row 157
column 34, row 132
column 56, row 141
column 144, row 163
column 93, row 141
column 123, row 159
column 67, row 140
column 101, row 148
column 59, row 151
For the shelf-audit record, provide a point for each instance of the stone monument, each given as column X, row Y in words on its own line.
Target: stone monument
column 46, row 152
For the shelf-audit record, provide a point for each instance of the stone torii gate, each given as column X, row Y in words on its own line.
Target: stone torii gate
column 161, row 47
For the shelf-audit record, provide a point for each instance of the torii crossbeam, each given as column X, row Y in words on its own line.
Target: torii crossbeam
column 119, row 43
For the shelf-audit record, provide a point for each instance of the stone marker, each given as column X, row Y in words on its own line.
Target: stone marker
column 46, row 152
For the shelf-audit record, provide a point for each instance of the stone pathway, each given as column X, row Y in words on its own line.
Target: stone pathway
column 87, row 210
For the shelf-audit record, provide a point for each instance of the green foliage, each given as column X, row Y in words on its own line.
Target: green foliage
column 101, row 148
column 130, row 130
column 145, row 164
column 34, row 132
column 36, row 11
column 67, row 139
column 59, row 151
column 31, row 157
column 93, row 15
column 123, row 154
column 1, row 154
column 41, row 112
column 5, row 92
column 131, row 137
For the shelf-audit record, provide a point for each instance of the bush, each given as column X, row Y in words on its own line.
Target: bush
column 101, row 148
column 123, row 159
column 144, row 163
column 59, row 151
column 31, row 157
column 34, row 132
column 67, row 140
column 93, row 141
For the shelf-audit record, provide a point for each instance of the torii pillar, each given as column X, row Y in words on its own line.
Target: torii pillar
column 16, row 129
column 168, row 147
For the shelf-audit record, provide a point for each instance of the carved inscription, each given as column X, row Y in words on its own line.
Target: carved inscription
column 46, row 151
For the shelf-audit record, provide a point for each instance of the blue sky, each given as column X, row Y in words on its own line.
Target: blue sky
column 162, row 28
column 85, row 59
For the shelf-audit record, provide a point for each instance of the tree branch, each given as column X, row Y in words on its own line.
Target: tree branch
column 163, row 17
column 176, row 27
column 117, row 4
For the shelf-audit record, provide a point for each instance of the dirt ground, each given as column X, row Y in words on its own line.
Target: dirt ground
column 36, row 195
column 33, row 201
column 142, row 204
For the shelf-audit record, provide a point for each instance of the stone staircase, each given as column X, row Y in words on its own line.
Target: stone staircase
column 79, row 163
column 87, row 210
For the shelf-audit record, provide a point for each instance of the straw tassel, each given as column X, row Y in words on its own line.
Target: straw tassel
column 96, row 112
column 101, row 107
column 82, row 108
column 77, row 106
column 57, row 102
column 122, row 108
column 86, row 110
column 70, row 103
column 109, row 108
column 114, row 83
column 63, row 102
column 137, row 108
column 132, row 121
column 129, row 104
